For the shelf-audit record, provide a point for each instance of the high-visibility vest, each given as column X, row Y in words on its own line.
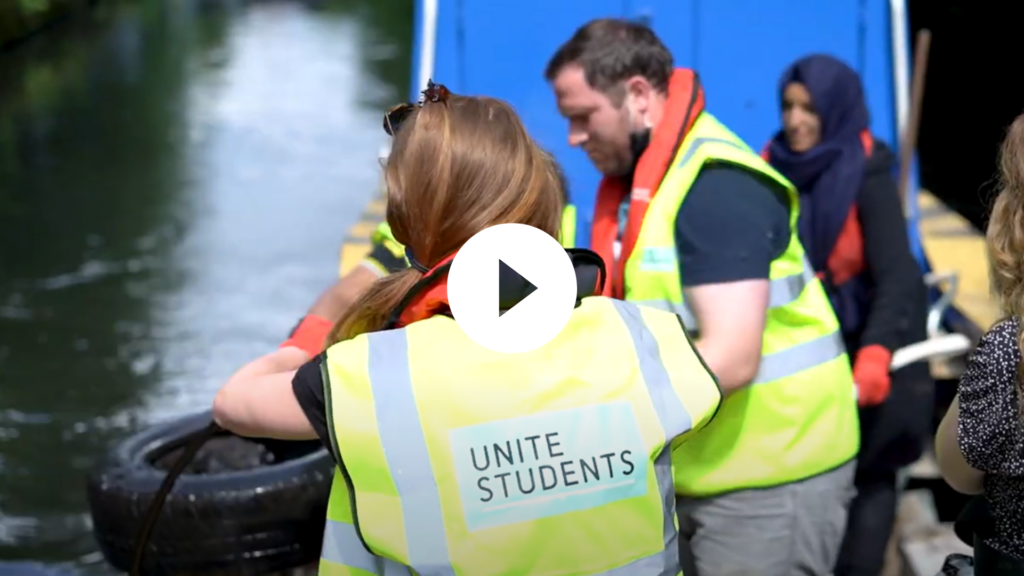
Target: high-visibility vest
column 556, row 461
column 798, row 417
column 567, row 234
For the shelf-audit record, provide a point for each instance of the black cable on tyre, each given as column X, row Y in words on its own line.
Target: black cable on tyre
column 241, row 506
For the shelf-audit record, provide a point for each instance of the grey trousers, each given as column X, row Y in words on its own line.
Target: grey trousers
column 790, row 530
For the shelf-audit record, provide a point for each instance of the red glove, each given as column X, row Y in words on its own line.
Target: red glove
column 871, row 374
column 310, row 334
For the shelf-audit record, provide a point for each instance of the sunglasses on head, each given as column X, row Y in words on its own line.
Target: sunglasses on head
column 394, row 117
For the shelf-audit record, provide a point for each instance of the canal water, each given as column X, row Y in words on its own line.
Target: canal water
column 175, row 182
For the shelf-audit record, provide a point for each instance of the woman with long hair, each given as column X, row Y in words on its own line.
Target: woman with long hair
column 456, row 459
column 980, row 442
column 852, row 227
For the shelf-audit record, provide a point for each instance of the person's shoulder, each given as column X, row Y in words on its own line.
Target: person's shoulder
column 882, row 159
column 989, row 423
column 728, row 187
column 878, row 190
column 1002, row 335
column 727, row 177
column 731, row 225
column 997, row 354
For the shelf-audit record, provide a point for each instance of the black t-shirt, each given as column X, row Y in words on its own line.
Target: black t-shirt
column 733, row 223
column 731, row 226
column 308, row 385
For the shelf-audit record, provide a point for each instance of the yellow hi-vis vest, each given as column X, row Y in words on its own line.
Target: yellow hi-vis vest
column 798, row 418
column 567, row 233
column 468, row 462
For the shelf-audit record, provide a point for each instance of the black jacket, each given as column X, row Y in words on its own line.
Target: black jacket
column 894, row 433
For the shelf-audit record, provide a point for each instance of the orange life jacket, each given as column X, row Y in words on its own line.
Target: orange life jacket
column 684, row 106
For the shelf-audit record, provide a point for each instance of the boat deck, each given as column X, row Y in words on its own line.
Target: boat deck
column 953, row 244
column 356, row 245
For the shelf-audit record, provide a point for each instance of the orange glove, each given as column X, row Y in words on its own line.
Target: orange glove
column 310, row 334
column 871, row 373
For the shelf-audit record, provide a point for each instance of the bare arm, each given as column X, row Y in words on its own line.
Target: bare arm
column 731, row 226
column 952, row 464
column 334, row 301
column 258, row 401
column 979, row 434
column 731, row 317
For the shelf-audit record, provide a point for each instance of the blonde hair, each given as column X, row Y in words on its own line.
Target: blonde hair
column 1005, row 233
column 455, row 168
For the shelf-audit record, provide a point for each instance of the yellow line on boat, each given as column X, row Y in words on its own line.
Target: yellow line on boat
column 356, row 245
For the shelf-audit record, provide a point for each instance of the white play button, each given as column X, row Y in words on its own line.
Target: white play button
column 534, row 299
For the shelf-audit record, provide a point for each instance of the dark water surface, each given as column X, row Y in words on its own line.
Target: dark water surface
column 175, row 181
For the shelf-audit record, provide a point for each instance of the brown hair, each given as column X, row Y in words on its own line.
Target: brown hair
column 1005, row 234
column 455, row 168
column 611, row 51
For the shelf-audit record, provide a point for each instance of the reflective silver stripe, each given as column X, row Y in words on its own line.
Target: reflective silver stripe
column 674, row 420
column 665, row 562
column 787, row 289
column 682, row 310
column 781, row 291
column 698, row 142
column 392, row 568
column 674, row 417
column 783, row 363
column 343, row 546
column 398, row 424
column 405, row 448
column 800, row 357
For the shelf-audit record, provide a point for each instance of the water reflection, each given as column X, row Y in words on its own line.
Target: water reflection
column 175, row 178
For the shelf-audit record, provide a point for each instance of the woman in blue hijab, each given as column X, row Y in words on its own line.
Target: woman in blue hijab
column 851, row 225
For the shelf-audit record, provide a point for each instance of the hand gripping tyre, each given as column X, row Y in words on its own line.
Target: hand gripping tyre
column 242, row 506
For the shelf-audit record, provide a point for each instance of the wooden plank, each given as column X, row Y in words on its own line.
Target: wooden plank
column 924, row 543
column 952, row 243
column 924, row 555
column 363, row 230
column 351, row 255
column 375, row 209
column 357, row 242
column 925, row 468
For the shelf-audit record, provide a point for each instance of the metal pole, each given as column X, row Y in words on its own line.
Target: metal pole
column 909, row 136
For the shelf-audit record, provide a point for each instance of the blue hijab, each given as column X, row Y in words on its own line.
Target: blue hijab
column 829, row 175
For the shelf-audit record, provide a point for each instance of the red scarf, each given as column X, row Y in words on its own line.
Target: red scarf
column 684, row 105
column 430, row 300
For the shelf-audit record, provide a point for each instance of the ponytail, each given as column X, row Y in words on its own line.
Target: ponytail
column 371, row 311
